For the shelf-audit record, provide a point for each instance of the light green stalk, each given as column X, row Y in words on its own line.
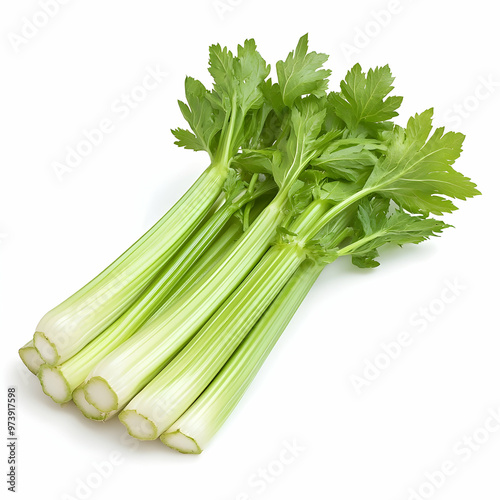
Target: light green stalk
column 125, row 371
column 197, row 426
column 60, row 381
column 66, row 329
column 221, row 121
column 206, row 263
column 163, row 400
column 215, row 253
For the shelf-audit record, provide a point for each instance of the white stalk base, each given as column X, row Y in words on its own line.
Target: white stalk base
column 87, row 409
column 45, row 348
column 138, row 426
column 99, row 394
column 180, row 442
column 54, row 384
column 30, row 357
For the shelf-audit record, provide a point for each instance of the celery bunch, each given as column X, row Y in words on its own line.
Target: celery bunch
column 172, row 333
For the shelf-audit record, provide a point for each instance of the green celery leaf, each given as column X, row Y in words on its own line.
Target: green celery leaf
column 251, row 71
column 301, row 195
column 259, row 129
column 338, row 191
column 366, row 260
column 221, row 67
column 348, row 163
column 301, row 74
column 237, row 92
column 363, row 97
column 237, row 80
column 314, row 176
column 375, row 228
column 272, row 95
column 304, row 142
column 203, row 118
column 256, row 161
column 417, row 171
column 233, row 184
column 187, row 140
column 336, row 231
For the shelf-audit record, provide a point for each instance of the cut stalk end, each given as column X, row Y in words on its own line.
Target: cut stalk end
column 46, row 349
column 85, row 407
column 54, row 384
column 138, row 425
column 181, row 442
column 30, row 357
column 99, row 394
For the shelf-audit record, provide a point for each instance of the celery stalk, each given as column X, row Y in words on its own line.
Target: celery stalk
column 222, row 120
column 67, row 328
column 60, row 381
column 142, row 357
column 86, row 408
column 167, row 396
column 30, row 357
column 164, row 399
column 125, row 371
column 215, row 253
column 208, row 261
column 196, row 427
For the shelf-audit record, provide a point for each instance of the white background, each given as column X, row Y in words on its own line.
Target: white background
column 57, row 234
